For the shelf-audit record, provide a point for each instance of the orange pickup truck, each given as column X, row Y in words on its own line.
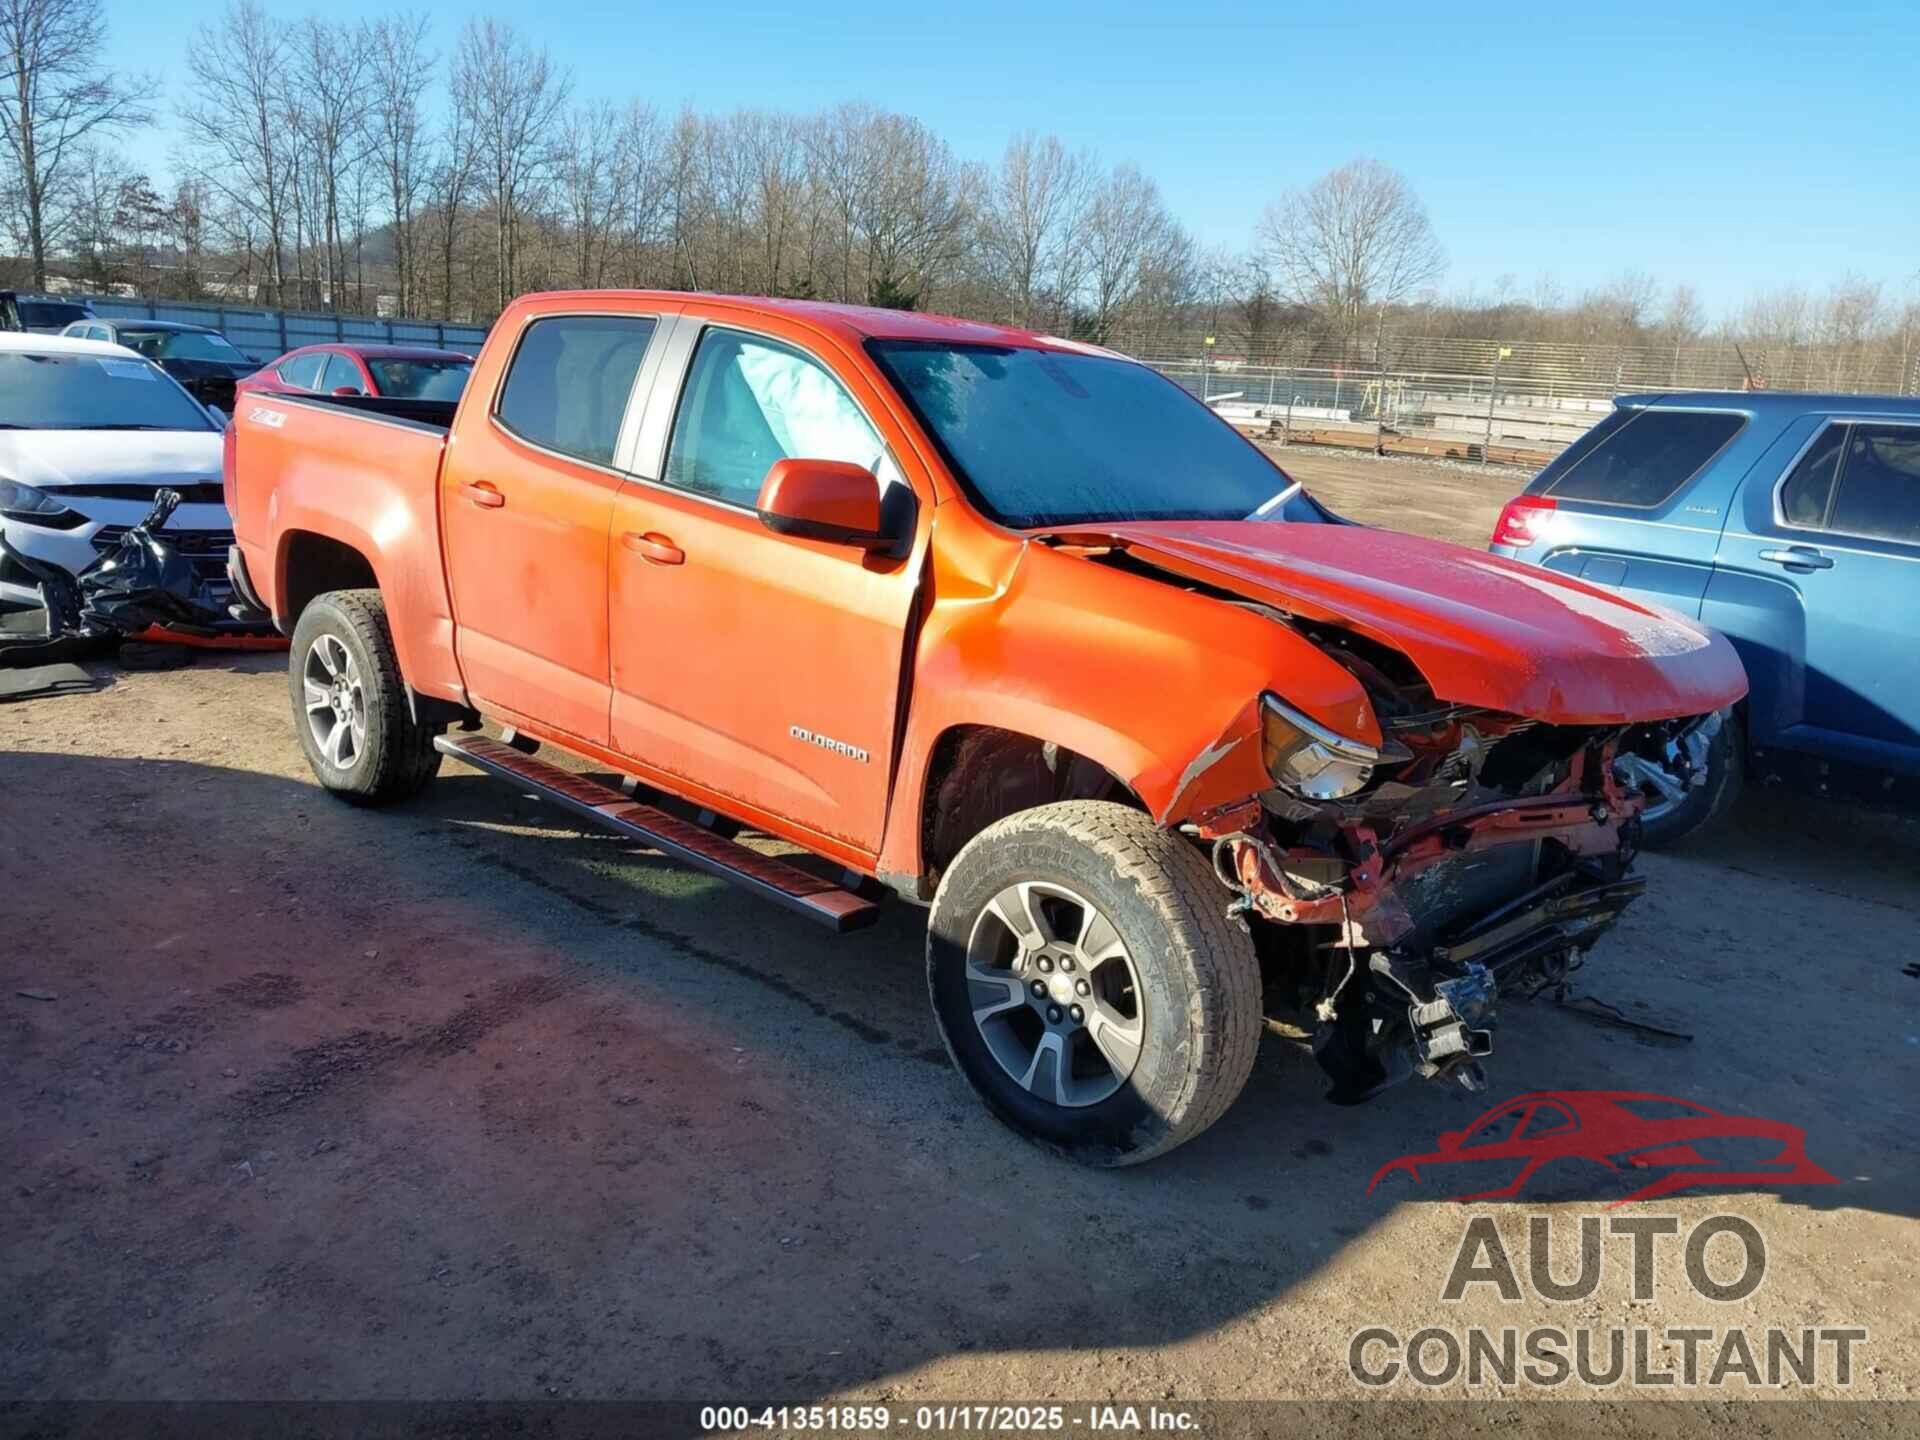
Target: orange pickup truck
column 997, row 622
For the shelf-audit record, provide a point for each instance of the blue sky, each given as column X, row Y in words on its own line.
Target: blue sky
column 1734, row 146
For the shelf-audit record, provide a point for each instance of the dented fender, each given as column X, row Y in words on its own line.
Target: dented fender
column 1159, row 685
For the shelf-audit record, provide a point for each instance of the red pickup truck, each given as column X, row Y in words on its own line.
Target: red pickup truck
column 994, row 621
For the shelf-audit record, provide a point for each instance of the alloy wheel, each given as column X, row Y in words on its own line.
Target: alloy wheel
column 1054, row 993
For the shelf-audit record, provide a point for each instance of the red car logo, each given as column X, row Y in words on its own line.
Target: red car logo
column 1620, row 1129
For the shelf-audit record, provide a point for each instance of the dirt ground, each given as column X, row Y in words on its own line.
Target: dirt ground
column 456, row 1101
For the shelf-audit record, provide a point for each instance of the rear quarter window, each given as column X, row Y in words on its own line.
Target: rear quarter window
column 1643, row 457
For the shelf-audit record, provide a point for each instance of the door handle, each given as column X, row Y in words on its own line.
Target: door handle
column 1798, row 557
column 654, row 547
column 483, row 495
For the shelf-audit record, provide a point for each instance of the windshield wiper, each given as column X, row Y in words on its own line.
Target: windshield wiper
column 1280, row 499
column 116, row 427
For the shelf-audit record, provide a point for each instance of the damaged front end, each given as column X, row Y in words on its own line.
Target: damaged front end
column 143, row 587
column 1396, row 890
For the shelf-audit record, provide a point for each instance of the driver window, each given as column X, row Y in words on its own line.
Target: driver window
column 748, row 402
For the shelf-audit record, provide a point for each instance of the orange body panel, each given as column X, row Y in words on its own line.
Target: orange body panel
column 304, row 469
column 798, row 684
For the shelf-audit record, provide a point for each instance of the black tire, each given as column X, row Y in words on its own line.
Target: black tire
column 1705, row 805
column 1198, row 978
column 396, row 757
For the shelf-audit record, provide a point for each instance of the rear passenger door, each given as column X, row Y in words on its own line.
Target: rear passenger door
column 527, row 492
column 1822, row 566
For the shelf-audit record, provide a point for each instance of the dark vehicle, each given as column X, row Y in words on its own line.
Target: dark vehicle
column 1619, row 1129
column 1791, row 524
column 383, row 372
column 40, row 314
column 204, row 361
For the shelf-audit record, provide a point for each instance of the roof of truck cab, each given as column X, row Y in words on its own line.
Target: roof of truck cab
column 855, row 322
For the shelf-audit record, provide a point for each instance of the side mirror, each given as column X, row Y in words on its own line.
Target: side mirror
column 824, row 500
column 347, row 390
column 1450, row 1139
column 219, row 416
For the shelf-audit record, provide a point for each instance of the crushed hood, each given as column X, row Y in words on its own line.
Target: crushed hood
column 49, row 459
column 1483, row 630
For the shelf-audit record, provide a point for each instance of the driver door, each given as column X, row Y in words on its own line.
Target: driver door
column 765, row 669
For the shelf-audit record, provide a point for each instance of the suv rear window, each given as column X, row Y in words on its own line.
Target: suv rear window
column 1641, row 457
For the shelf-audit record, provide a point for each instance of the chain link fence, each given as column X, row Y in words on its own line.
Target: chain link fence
column 1520, row 403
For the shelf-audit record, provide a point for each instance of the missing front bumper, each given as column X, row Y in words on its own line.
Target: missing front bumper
column 1432, row 1014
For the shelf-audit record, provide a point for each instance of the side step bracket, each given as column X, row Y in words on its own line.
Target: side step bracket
column 771, row 879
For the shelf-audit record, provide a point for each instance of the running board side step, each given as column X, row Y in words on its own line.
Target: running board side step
column 771, row 879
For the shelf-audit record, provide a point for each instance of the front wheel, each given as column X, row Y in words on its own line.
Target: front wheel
column 350, row 704
column 1088, row 983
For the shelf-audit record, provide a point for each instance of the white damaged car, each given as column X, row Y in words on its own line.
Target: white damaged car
column 88, row 433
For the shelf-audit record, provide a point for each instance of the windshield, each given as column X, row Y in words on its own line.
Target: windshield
column 420, row 379
column 91, row 392
column 1042, row 438
column 182, row 345
column 50, row 314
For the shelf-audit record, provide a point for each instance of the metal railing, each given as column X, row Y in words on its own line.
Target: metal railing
column 264, row 334
column 1889, row 365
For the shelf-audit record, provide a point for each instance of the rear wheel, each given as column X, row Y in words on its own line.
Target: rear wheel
column 1088, row 983
column 350, row 705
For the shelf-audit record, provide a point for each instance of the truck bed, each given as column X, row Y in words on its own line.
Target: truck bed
column 352, row 471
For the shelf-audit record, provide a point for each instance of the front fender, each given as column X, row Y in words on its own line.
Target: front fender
column 1155, row 681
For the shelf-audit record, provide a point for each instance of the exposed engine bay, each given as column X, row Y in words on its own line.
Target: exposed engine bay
column 1395, row 892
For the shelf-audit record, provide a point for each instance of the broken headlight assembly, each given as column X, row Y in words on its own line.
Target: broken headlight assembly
column 1311, row 762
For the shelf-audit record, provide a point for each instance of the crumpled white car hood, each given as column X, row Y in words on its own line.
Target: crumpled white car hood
column 50, row 459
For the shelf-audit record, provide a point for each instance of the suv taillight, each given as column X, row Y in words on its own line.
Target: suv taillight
column 1524, row 521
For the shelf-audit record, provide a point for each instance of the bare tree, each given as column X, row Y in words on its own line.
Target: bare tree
column 450, row 182
column 1032, row 227
column 58, row 98
column 234, row 130
column 1355, row 240
column 400, row 72
column 588, row 159
column 515, row 97
column 1128, row 234
column 908, row 216
column 329, row 108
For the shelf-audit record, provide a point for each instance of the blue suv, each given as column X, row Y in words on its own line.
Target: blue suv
column 1791, row 523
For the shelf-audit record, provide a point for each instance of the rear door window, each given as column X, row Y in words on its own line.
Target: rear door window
column 1647, row 458
column 1808, row 490
column 342, row 374
column 570, row 380
column 1879, row 491
column 304, row 371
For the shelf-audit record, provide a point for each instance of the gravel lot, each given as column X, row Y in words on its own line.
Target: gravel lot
column 455, row 1100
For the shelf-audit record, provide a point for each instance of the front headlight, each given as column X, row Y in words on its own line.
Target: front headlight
column 36, row 507
column 1308, row 760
